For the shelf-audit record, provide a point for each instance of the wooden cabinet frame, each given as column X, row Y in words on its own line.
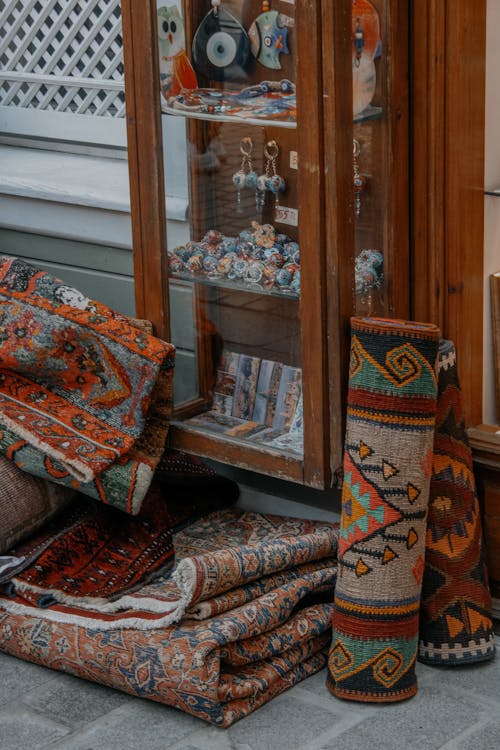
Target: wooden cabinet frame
column 448, row 42
column 436, row 228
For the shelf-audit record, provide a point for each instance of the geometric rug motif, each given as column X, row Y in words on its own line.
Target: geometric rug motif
column 387, row 464
column 455, row 624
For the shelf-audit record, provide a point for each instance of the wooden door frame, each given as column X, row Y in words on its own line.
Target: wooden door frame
column 145, row 160
column 448, row 53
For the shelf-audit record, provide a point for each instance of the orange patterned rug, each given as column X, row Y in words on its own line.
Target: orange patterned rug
column 455, row 621
column 77, row 383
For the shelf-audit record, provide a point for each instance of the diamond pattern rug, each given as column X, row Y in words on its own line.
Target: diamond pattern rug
column 387, row 464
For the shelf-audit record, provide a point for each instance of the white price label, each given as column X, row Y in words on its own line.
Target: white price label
column 290, row 2
column 294, row 160
column 284, row 215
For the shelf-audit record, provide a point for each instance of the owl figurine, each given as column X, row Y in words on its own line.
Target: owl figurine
column 176, row 72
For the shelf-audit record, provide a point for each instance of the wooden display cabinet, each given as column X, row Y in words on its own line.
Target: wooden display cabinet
column 266, row 369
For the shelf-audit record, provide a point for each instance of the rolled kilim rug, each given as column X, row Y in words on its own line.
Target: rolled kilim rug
column 391, row 408
column 455, row 617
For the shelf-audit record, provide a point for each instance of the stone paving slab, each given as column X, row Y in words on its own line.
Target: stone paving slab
column 454, row 709
column 24, row 729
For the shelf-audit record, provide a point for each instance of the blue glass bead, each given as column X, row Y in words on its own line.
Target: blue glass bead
column 210, row 263
column 245, row 235
column 276, row 184
column 175, row 264
column 291, row 250
column 296, row 282
column 238, row 269
column 283, row 277
column 239, row 180
column 251, row 180
column 262, row 181
column 228, row 245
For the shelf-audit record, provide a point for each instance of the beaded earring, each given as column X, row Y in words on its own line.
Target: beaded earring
column 359, row 179
column 270, row 181
column 245, row 177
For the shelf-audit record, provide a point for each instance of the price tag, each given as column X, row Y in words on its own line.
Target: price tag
column 294, row 160
column 284, row 215
column 290, row 2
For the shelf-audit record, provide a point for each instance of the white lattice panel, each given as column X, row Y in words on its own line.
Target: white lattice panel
column 62, row 56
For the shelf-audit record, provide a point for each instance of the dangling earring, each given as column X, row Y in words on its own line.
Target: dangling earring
column 245, row 177
column 270, row 180
column 358, row 42
column 359, row 180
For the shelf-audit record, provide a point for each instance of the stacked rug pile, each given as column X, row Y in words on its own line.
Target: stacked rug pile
column 94, row 508
column 85, row 401
column 245, row 615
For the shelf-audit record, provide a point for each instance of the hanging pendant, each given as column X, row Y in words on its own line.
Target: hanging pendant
column 221, row 47
column 359, row 180
column 268, row 36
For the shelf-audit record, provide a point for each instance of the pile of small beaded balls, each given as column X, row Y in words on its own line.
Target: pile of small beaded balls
column 259, row 255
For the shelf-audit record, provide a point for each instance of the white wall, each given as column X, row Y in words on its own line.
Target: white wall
column 491, row 204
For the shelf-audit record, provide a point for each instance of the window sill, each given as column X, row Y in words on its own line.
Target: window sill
column 70, row 196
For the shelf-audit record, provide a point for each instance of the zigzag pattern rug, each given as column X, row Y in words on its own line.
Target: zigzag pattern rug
column 391, row 408
column 455, row 620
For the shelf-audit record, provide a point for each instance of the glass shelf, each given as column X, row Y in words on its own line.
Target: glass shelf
column 228, row 118
column 239, row 286
column 285, row 444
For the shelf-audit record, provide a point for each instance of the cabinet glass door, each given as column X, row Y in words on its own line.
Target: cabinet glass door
column 241, row 84
column 380, row 156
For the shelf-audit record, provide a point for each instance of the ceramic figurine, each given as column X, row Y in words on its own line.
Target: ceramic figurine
column 268, row 36
column 221, row 47
column 176, row 72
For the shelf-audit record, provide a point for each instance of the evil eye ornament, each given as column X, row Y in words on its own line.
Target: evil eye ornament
column 268, row 36
column 270, row 180
column 175, row 264
column 295, row 285
column 239, row 178
column 221, row 47
column 228, row 245
column 292, row 251
column 276, row 184
column 210, row 263
column 283, row 277
column 245, row 177
column 238, row 269
column 274, row 259
column 251, row 180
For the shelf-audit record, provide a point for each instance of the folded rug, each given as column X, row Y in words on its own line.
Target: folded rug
column 92, row 554
column 76, row 384
column 220, row 668
column 222, row 551
column 391, row 409
column 455, row 619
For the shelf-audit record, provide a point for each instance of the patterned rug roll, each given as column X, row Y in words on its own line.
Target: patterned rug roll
column 391, row 407
column 455, row 620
